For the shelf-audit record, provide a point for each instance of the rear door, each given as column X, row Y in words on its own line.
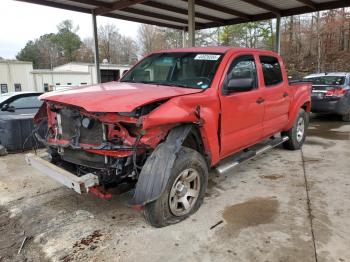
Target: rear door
column 276, row 94
column 241, row 112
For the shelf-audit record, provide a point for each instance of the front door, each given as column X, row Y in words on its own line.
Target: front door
column 241, row 112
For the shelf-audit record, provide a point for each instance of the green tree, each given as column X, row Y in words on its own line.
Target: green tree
column 67, row 40
column 29, row 53
column 253, row 34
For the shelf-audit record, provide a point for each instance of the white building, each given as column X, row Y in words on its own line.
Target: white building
column 20, row 76
column 76, row 74
column 16, row 76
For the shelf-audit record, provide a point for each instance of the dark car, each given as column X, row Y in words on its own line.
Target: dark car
column 19, row 103
column 331, row 93
column 16, row 120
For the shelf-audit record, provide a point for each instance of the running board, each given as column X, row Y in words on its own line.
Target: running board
column 249, row 154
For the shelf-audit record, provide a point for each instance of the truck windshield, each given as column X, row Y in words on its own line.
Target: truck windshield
column 327, row 80
column 190, row 70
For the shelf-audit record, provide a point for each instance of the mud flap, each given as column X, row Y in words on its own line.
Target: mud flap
column 157, row 169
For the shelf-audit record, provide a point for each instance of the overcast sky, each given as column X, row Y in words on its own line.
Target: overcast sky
column 20, row 22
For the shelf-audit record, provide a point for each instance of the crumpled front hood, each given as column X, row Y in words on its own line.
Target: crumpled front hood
column 116, row 96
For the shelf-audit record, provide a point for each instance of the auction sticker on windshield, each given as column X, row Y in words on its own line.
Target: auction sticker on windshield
column 206, row 57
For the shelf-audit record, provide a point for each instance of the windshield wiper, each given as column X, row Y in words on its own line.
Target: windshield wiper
column 176, row 85
column 133, row 81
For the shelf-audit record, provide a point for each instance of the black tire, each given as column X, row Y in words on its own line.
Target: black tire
column 158, row 213
column 295, row 141
column 346, row 118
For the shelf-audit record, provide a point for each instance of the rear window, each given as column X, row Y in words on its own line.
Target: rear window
column 327, row 80
column 271, row 70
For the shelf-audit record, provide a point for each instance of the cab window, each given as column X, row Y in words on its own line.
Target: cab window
column 271, row 70
column 243, row 67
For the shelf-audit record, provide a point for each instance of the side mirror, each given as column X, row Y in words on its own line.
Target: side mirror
column 7, row 107
column 239, row 85
column 4, row 107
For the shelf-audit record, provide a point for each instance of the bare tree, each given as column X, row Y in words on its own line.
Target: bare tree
column 150, row 39
column 109, row 38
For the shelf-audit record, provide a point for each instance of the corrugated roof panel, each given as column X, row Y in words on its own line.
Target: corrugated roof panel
column 73, row 3
column 149, row 18
column 166, row 12
column 282, row 4
column 207, row 11
column 239, row 6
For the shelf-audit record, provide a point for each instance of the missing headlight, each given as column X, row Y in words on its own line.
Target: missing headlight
column 87, row 122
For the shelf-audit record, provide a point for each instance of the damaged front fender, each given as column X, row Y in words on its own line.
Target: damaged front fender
column 157, row 169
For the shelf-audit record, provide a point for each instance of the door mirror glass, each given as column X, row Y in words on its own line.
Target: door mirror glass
column 240, row 85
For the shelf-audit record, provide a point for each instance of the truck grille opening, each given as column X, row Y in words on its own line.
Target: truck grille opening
column 69, row 123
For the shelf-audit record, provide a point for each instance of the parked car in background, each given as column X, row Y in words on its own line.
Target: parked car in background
column 170, row 118
column 17, row 111
column 19, row 103
column 331, row 93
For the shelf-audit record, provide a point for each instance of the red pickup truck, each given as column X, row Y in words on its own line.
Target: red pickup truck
column 167, row 122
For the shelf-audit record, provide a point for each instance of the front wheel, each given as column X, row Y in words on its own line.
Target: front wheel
column 297, row 133
column 184, row 192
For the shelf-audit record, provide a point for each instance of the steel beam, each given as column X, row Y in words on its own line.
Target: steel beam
column 191, row 23
column 142, row 20
column 182, row 11
column 222, row 9
column 278, row 35
column 96, row 3
column 155, row 15
column 96, row 52
column 308, row 3
column 119, row 5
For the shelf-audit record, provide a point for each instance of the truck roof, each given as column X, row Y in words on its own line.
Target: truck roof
column 213, row 49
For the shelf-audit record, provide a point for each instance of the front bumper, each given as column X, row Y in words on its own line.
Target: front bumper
column 339, row 106
column 80, row 184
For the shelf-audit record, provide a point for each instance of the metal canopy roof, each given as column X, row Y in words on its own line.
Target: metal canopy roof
column 209, row 13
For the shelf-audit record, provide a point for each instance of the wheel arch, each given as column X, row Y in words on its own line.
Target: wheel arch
column 301, row 103
column 157, row 169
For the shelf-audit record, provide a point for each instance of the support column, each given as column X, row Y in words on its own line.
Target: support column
column 191, row 23
column 96, row 52
column 278, row 35
column 184, row 44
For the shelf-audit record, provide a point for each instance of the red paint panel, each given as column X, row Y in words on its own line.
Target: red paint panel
column 115, row 96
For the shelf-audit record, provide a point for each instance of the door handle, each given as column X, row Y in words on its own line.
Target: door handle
column 260, row 100
column 285, row 94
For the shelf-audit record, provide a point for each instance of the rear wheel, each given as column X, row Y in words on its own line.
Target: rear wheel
column 297, row 133
column 184, row 192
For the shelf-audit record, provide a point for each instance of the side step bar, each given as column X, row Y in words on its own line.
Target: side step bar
column 248, row 154
column 78, row 184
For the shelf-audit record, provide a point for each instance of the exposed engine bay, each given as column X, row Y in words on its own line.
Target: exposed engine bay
column 113, row 146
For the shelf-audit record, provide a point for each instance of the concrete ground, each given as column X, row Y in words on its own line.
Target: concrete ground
column 282, row 206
